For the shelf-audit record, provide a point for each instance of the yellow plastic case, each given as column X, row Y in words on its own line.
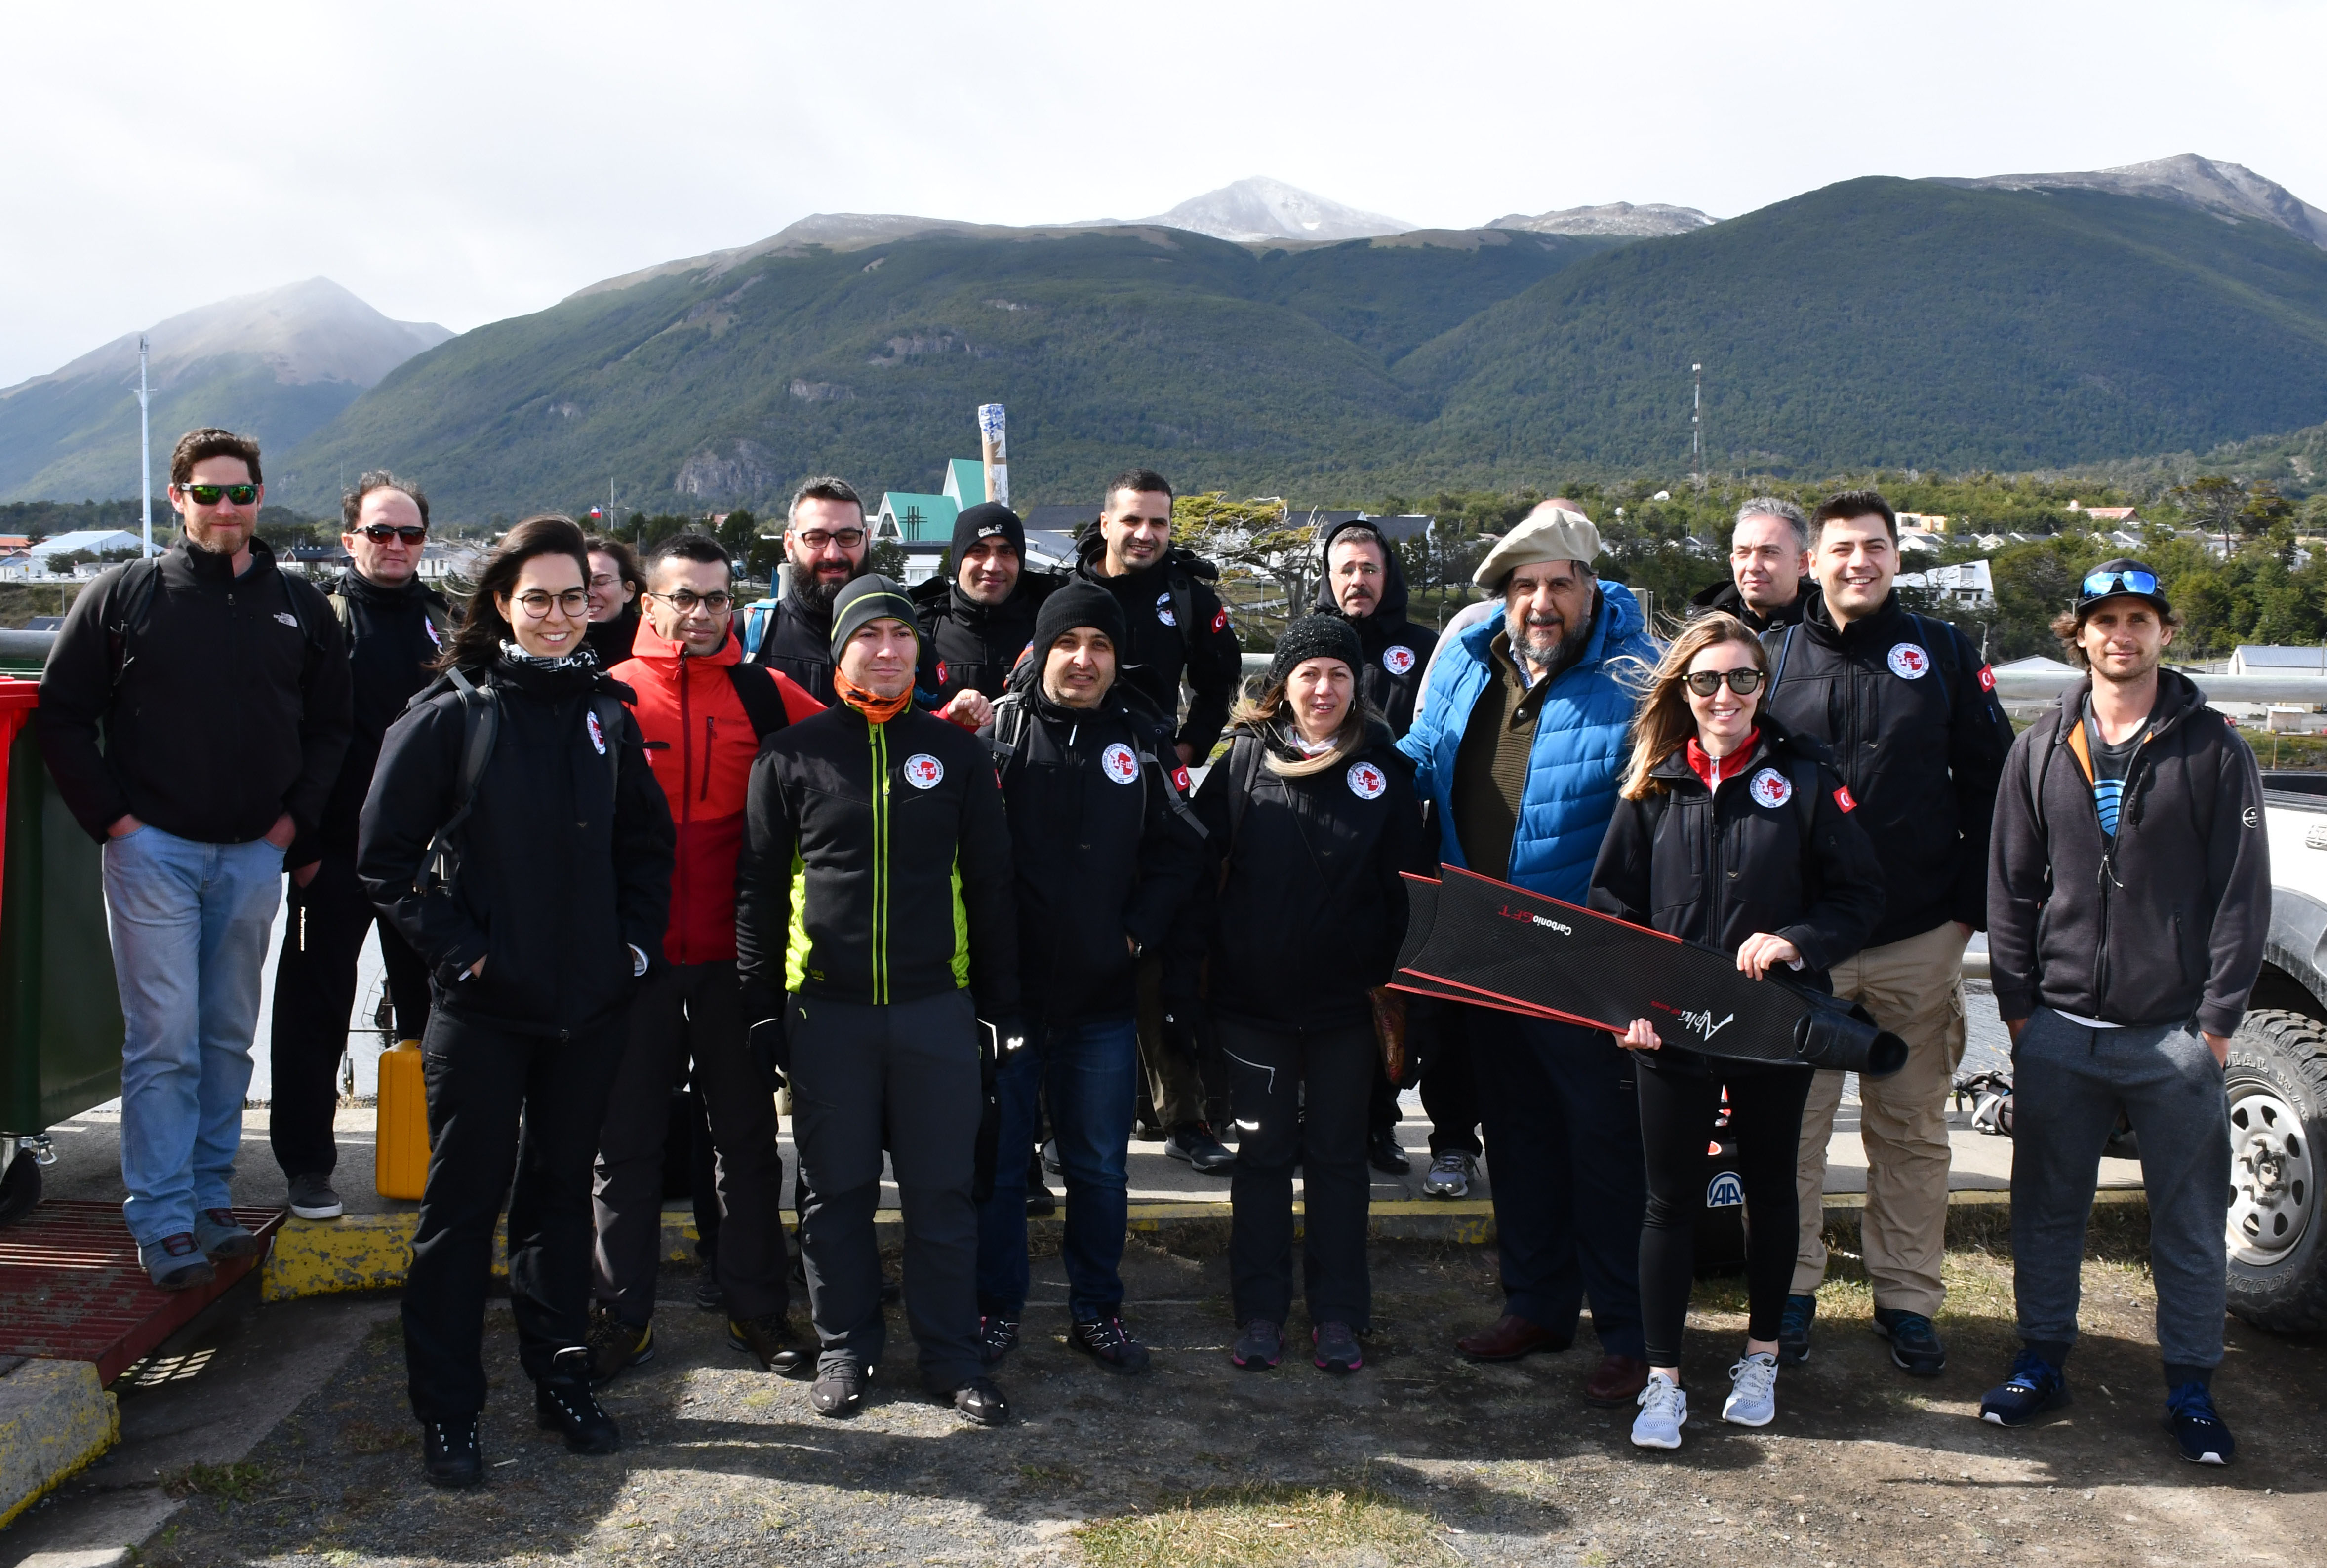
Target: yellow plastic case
column 401, row 1159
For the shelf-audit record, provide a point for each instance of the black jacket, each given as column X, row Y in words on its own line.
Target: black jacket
column 1723, row 596
column 564, row 862
column 895, row 838
column 1102, row 850
column 1776, row 849
column 392, row 637
column 1159, row 656
column 612, row 640
column 798, row 642
column 1310, row 910
column 1910, row 716
column 222, row 700
column 1397, row 648
column 2164, row 923
column 969, row 646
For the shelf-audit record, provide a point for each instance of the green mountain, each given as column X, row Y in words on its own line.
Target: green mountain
column 1875, row 322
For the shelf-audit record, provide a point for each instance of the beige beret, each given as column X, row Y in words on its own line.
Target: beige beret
column 1550, row 533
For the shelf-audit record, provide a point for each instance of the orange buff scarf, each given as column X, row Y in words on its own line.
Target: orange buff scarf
column 876, row 710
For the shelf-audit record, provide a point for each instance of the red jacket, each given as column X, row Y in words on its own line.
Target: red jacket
column 700, row 742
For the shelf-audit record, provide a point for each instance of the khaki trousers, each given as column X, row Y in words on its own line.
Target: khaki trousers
column 1914, row 989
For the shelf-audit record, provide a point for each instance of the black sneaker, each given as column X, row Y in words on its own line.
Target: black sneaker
column 2035, row 1386
column 312, row 1198
column 562, row 1402
column 1794, row 1331
column 2190, row 1417
column 771, row 1339
column 1385, row 1154
column 996, row 1338
column 1193, row 1143
column 1337, row 1347
column 1915, row 1347
column 1110, row 1344
column 615, row 1344
column 448, row 1453
column 981, row 1404
column 710, row 1295
column 839, row 1387
column 1260, row 1346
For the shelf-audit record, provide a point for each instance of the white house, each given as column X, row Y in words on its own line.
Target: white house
column 2261, row 659
column 1970, row 583
column 95, row 541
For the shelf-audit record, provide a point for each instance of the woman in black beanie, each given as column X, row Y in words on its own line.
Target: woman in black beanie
column 1311, row 818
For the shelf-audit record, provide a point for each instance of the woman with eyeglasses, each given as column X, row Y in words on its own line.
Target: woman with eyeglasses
column 1731, row 833
column 517, row 839
column 615, row 584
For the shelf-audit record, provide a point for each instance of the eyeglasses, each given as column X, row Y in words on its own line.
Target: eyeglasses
column 846, row 538
column 382, row 533
column 1706, row 682
column 537, row 603
column 687, row 603
column 602, row 580
column 2135, row 581
column 206, row 495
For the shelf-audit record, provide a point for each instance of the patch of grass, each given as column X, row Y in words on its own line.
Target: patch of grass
column 1239, row 1526
column 229, row 1483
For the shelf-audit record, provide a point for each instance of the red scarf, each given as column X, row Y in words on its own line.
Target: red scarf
column 1729, row 767
column 876, row 710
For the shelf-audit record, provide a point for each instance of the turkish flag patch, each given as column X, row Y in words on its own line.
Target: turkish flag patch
column 1181, row 781
column 1220, row 620
column 1842, row 799
column 941, row 673
column 1987, row 678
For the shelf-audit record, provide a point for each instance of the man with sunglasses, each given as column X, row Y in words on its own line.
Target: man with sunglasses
column 193, row 712
column 704, row 713
column 1918, row 737
column 396, row 625
column 826, row 543
column 2131, row 823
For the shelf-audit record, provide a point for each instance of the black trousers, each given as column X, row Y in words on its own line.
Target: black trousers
column 1450, row 1089
column 315, row 992
column 906, row 1075
column 1676, row 1114
column 690, row 1009
column 481, row 1080
column 1301, row 1098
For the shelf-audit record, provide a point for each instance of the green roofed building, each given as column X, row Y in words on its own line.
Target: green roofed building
column 912, row 520
column 965, row 484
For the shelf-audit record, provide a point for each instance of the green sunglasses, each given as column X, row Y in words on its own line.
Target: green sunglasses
column 206, row 495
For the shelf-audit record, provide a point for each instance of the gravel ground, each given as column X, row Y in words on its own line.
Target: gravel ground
column 1422, row 1456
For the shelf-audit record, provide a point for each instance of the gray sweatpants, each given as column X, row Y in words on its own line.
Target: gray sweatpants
column 2068, row 1084
column 907, row 1074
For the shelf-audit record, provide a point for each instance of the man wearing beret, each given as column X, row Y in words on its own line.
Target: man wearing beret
column 1521, row 739
column 975, row 624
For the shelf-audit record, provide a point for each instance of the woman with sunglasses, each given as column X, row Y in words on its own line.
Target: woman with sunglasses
column 532, row 874
column 1731, row 833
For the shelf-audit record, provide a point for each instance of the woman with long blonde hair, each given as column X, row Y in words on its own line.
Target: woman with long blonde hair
column 1731, row 833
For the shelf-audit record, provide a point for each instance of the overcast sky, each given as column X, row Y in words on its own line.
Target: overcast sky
column 460, row 163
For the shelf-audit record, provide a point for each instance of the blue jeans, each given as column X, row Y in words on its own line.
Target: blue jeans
column 1091, row 1072
column 189, row 923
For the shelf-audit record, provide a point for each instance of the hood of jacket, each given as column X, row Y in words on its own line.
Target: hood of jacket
column 1392, row 607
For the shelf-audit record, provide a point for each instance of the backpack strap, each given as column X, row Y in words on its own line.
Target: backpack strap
column 1184, row 611
column 613, row 718
column 763, row 704
column 137, row 599
column 480, row 729
column 1940, row 659
column 1244, row 771
column 1011, row 722
column 755, row 626
column 1802, row 773
column 1778, row 664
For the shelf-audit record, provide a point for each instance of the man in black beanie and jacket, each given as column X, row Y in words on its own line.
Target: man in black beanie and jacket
column 975, row 624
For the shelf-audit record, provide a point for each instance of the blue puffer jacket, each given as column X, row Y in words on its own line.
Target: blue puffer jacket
column 1580, row 737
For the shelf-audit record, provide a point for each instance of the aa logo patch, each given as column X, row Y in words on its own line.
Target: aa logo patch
column 1910, row 662
column 1120, row 763
column 597, row 735
column 1398, row 660
column 1367, row 781
column 1163, row 609
column 1770, row 787
column 923, row 771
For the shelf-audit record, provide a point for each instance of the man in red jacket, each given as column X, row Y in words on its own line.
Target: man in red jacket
column 703, row 711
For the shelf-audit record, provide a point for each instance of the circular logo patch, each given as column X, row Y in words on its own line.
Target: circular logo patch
column 434, row 636
column 1398, row 660
column 597, row 735
column 1367, row 781
column 1910, row 662
column 1120, row 763
column 1770, row 787
column 923, row 770
column 1163, row 609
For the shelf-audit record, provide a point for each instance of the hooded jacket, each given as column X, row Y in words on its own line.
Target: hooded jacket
column 1714, row 867
column 701, row 745
column 223, row 701
column 1301, row 907
column 1158, row 659
column 1581, row 739
column 1917, row 734
column 1723, row 596
column 1398, row 651
column 1103, row 849
column 877, row 866
column 969, row 646
column 564, row 862
column 798, row 643
column 2164, row 923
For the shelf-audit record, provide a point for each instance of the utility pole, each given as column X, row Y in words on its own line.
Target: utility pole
column 145, row 447
column 1697, row 422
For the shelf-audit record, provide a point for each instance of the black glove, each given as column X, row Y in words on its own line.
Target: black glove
column 770, row 1048
column 1009, row 1035
column 1183, row 1030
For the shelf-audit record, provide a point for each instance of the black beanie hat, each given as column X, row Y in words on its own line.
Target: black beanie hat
column 985, row 520
column 1316, row 636
column 1079, row 602
column 870, row 598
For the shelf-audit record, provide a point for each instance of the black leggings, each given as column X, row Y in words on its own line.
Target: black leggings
column 1676, row 1116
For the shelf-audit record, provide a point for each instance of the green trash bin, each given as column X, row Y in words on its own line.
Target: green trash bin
column 61, row 1026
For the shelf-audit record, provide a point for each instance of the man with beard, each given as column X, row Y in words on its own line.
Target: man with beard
column 975, row 624
column 826, row 542
column 1769, row 557
column 1521, row 742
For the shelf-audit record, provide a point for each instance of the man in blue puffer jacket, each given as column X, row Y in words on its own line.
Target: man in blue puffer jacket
column 1520, row 742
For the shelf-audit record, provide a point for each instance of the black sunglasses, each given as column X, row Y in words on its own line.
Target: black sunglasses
column 2135, row 582
column 206, row 495
column 382, row 533
column 1706, row 682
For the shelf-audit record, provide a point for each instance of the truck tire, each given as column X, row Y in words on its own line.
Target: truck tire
column 2277, row 1082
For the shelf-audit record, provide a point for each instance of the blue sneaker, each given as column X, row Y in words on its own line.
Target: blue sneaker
column 1915, row 1347
column 2035, row 1386
column 2190, row 1417
column 1794, row 1331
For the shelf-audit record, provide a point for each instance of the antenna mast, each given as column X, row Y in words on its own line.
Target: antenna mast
column 144, row 448
column 1697, row 421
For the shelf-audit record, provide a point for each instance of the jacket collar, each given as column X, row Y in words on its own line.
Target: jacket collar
column 1884, row 625
column 2177, row 698
column 667, row 655
column 1615, row 620
column 209, row 566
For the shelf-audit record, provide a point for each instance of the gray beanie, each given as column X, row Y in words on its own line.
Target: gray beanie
column 870, row 598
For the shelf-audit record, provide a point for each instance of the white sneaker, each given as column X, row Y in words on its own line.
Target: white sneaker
column 1664, row 1411
column 1753, row 1391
